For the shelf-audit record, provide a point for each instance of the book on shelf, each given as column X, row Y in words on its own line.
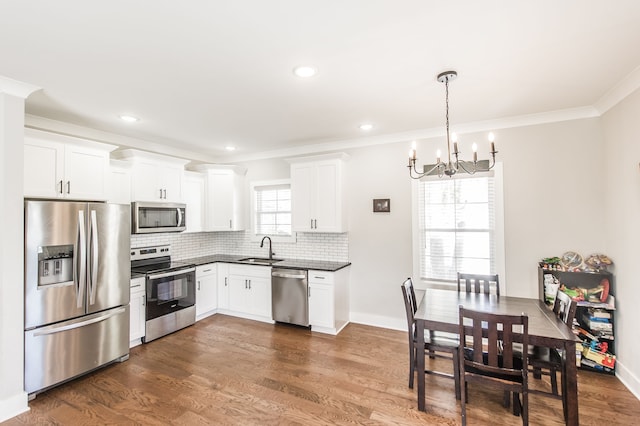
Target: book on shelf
column 600, row 324
column 609, row 304
column 598, row 313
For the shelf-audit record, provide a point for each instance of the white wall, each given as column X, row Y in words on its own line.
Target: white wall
column 13, row 399
column 621, row 196
column 553, row 184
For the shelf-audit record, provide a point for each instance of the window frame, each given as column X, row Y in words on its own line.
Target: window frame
column 252, row 190
column 498, row 232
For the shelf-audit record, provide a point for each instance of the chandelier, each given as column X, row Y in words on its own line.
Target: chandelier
column 453, row 163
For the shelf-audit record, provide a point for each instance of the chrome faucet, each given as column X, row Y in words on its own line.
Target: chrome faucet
column 262, row 244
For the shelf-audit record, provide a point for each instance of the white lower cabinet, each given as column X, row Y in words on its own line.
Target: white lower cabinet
column 206, row 290
column 137, row 311
column 249, row 291
column 329, row 300
column 223, row 286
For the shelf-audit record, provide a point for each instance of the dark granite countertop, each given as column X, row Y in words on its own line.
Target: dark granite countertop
column 316, row 265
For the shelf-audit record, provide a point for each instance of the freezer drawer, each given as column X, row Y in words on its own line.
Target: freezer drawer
column 62, row 351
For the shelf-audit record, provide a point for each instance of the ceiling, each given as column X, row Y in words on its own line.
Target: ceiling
column 204, row 74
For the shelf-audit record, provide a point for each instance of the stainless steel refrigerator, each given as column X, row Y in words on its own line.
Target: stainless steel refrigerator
column 77, row 273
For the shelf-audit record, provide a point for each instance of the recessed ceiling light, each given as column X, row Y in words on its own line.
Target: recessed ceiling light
column 230, row 148
column 129, row 118
column 366, row 127
column 305, row 71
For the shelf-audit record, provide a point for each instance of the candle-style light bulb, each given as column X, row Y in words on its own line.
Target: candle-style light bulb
column 438, row 154
column 414, row 149
column 454, row 137
column 491, row 137
column 474, row 148
column 410, row 154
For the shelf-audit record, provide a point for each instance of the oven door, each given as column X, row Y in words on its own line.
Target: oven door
column 170, row 292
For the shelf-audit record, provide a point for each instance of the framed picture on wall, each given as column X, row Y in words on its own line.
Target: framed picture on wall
column 381, row 205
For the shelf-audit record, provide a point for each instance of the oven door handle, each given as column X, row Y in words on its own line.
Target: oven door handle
column 172, row 273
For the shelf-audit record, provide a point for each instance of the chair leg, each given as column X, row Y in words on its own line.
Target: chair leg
column 554, row 381
column 412, row 365
column 525, row 408
column 517, row 409
column 456, row 373
column 463, row 400
column 537, row 373
column 506, row 399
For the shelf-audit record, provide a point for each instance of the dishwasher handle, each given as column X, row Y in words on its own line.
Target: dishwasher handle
column 283, row 275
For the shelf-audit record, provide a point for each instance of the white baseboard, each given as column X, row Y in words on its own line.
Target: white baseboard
column 379, row 321
column 13, row 406
column 628, row 379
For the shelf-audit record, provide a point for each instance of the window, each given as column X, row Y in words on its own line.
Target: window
column 272, row 209
column 457, row 227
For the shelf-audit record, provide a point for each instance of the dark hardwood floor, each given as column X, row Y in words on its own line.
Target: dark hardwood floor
column 225, row 370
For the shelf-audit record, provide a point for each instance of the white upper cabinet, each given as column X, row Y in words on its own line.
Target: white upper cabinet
column 119, row 182
column 155, row 177
column 194, row 195
column 225, row 192
column 317, row 196
column 58, row 166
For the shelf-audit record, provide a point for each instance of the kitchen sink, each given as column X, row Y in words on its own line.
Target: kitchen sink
column 260, row 260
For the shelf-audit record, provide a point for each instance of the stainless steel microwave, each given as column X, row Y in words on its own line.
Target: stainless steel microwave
column 147, row 218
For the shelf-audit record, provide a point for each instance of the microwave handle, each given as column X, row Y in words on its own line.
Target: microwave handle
column 179, row 216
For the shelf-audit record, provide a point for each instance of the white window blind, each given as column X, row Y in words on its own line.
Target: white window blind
column 272, row 210
column 457, row 227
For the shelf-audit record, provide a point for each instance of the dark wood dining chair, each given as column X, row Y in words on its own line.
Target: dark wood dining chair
column 494, row 362
column 478, row 283
column 548, row 361
column 434, row 346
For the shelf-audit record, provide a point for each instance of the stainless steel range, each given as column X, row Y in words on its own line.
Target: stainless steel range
column 170, row 290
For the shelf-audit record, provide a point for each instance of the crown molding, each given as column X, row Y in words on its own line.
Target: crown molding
column 68, row 129
column 617, row 93
column 16, row 88
column 472, row 127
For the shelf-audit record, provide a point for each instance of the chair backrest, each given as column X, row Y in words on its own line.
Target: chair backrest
column 496, row 331
column 565, row 308
column 410, row 304
column 477, row 283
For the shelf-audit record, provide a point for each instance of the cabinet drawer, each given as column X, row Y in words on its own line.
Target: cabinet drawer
column 321, row 277
column 250, row 271
column 204, row 270
column 137, row 282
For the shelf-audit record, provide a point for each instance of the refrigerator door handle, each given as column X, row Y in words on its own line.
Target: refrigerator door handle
column 80, row 264
column 93, row 257
column 53, row 329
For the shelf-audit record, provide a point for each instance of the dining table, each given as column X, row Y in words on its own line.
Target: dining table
column 438, row 310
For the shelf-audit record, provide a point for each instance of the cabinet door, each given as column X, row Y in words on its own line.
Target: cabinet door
column 321, row 309
column 327, row 202
column 260, row 297
column 302, row 184
column 146, row 184
column 43, row 168
column 194, row 198
column 238, row 289
column 172, row 181
column 206, row 290
column 137, row 316
column 119, row 185
column 223, row 285
column 220, row 212
column 86, row 172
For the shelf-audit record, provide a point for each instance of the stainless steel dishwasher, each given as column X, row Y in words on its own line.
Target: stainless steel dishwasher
column 290, row 296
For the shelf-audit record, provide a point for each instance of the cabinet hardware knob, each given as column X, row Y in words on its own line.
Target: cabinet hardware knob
column 68, row 187
column 60, row 187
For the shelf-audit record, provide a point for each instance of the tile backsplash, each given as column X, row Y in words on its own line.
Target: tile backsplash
column 314, row 246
